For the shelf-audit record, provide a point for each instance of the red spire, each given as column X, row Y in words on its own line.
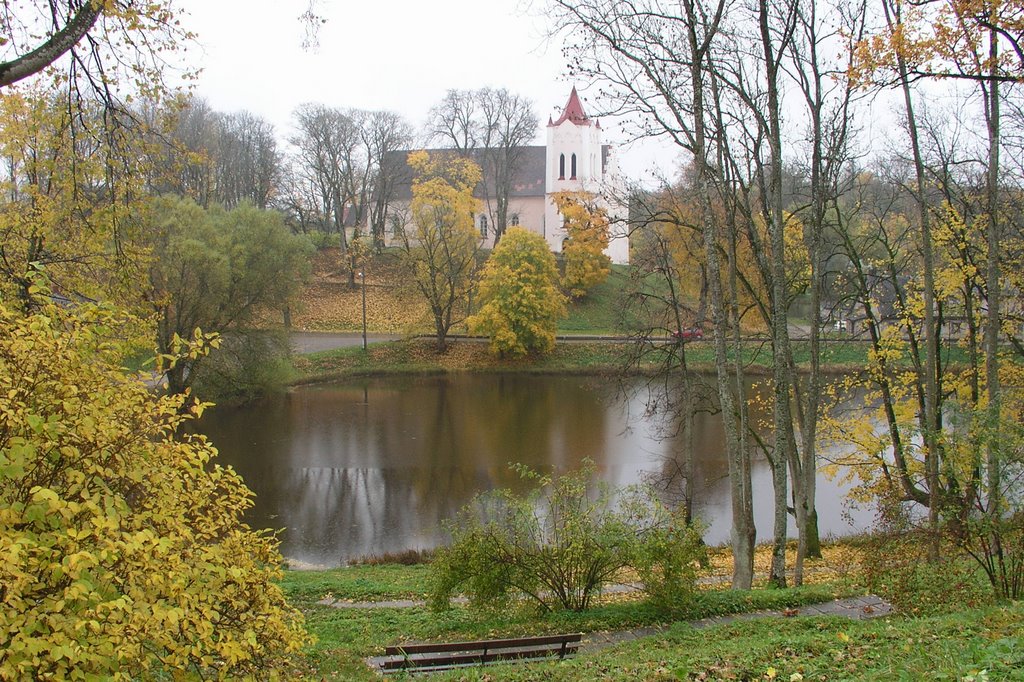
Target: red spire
column 573, row 111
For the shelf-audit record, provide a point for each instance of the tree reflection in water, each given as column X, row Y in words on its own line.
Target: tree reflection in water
column 374, row 466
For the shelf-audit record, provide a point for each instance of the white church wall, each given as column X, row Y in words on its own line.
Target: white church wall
column 576, row 134
column 584, row 140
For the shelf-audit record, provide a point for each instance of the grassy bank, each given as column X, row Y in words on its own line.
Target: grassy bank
column 328, row 303
column 420, row 356
column 955, row 638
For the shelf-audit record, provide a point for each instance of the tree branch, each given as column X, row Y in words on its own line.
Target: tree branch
column 56, row 46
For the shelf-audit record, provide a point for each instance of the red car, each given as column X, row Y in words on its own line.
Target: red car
column 691, row 334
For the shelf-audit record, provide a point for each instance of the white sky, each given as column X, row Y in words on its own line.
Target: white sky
column 398, row 55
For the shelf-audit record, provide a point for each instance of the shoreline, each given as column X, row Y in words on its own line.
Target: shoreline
column 590, row 355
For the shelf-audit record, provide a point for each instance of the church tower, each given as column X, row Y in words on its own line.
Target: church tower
column 575, row 162
column 578, row 161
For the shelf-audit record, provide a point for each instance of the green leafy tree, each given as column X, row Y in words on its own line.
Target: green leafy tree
column 440, row 247
column 559, row 544
column 215, row 270
column 123, row 554
column 521, row 303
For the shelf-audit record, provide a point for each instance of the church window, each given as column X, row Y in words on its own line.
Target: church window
column 561, row 166
column 514, row 220
column 573, row 167
column 483, row 226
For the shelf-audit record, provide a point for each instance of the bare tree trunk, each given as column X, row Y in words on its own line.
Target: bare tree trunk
column 742, row 488
column 743, row 530
column 661, row 56
column 992, row 284
column 784, row 448
column 893, row 10
column 827, row 157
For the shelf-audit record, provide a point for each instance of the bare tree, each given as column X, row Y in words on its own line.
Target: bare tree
column 454, row 121
column 509, row 123
column 667, row 262
column 187, row 164
column 383, row 133
column 828, row 96
column 654, row 59
column 213, row 157
column 493, row 126
column 248, row 163
column 300, row 200
column 754, row 78
column 327, row 148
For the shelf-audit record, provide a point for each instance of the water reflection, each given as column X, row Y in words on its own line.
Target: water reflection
column 374, row 466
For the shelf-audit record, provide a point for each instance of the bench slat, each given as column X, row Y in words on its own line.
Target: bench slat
column 480, row 645
column 454, row 660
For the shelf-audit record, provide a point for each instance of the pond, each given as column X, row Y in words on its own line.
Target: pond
column 374, row 466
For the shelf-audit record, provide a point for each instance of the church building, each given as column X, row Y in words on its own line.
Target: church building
column 574, row 159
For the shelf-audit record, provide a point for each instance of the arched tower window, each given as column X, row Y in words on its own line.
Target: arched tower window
column 573, row 177
column 483, row 226
column 561, row 166
column 514, row 220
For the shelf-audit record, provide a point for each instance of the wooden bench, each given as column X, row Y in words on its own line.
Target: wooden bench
column 430, row 657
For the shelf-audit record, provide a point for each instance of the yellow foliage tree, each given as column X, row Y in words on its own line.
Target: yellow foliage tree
column 754, row 257
column 521, row 301
column 58, row 211
column 586, row 223
column 75, row 154
column 947, row 39
column 440, row 247
column 123, row 554
column 667, row 253
column 674, row 229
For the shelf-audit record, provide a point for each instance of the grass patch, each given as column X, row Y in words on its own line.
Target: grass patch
column 937, row 648
column 962, row 641
column 346, row 636
column 982, row 644
column 420, row 356
column 603, row 309
column 357, row 583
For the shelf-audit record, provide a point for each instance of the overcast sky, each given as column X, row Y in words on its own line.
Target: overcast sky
column 399, row 55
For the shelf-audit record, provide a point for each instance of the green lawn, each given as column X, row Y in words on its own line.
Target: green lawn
column 979, row 643
column 603, row 310
column 358, row 583
column 345, row 637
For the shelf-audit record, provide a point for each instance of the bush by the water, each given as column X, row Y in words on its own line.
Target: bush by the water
column 246, row 365
column 562, row 542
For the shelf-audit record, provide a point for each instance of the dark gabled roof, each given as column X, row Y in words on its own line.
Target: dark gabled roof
column 528, row 181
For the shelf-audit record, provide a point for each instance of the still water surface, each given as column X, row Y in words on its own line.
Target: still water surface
column 374, row 466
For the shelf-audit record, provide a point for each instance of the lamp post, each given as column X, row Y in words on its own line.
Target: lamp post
column 362, row 285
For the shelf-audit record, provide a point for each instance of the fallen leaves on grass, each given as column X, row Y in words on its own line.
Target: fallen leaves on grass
column 837, row 561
